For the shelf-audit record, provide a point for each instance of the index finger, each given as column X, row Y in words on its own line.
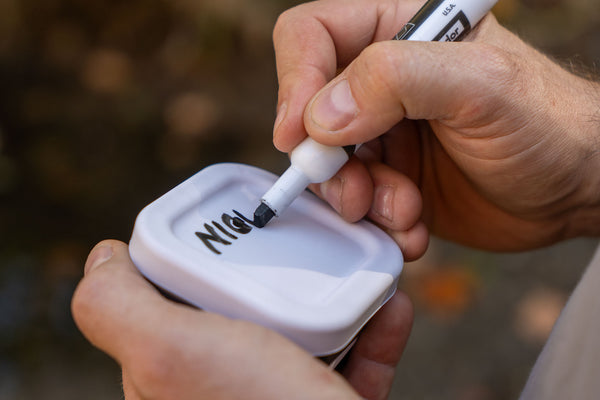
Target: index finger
column 313, row 40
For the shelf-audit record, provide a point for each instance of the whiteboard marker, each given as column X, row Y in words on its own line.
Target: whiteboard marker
column 312, row 162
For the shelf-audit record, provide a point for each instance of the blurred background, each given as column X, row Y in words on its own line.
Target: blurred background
column 106, row 104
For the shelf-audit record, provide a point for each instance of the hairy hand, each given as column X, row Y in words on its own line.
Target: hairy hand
column 486, row 142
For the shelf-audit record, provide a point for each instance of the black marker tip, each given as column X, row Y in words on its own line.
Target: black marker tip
column 262, row 215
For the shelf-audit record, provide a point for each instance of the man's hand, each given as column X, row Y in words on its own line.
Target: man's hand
column 172, row 351
column 486, row 142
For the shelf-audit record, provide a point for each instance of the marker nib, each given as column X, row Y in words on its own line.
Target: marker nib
column 262, row 215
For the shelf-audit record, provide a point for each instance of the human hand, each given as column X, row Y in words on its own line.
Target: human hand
column 172, row 351
column 486, row 142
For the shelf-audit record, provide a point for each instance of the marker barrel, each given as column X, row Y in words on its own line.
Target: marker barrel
column 444, row 20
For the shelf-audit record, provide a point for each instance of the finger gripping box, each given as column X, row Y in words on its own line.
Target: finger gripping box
column 309, row 275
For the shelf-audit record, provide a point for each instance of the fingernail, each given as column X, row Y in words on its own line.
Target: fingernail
column 332, row 192
column 98, row 256
column 383, row 202
column 281, row 113
column 335, row 108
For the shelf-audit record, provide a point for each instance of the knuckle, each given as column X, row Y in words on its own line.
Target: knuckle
column 155, row 372
column 160, row 366
column 497, row 65
column 284, row 21
column 243, row 334
column 280, row 24
column 87, row 296
column 497, row 79
column 379, row 71
column 376, row 63
column 239, row 331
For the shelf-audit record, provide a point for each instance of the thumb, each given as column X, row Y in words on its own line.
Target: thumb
column 389, row 81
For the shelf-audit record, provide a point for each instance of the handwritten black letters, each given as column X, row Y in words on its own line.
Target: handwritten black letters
column 222, row 233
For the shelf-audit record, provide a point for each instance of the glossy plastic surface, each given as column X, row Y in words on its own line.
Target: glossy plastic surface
column 308, row 274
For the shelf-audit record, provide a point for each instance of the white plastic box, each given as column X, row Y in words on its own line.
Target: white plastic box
column 308, row 274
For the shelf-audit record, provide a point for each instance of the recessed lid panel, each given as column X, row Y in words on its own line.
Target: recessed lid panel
column 308, row 274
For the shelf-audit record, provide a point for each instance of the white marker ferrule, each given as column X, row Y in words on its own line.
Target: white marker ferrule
column 312, row 162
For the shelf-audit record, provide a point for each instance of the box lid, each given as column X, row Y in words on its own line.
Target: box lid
column 308, row 274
